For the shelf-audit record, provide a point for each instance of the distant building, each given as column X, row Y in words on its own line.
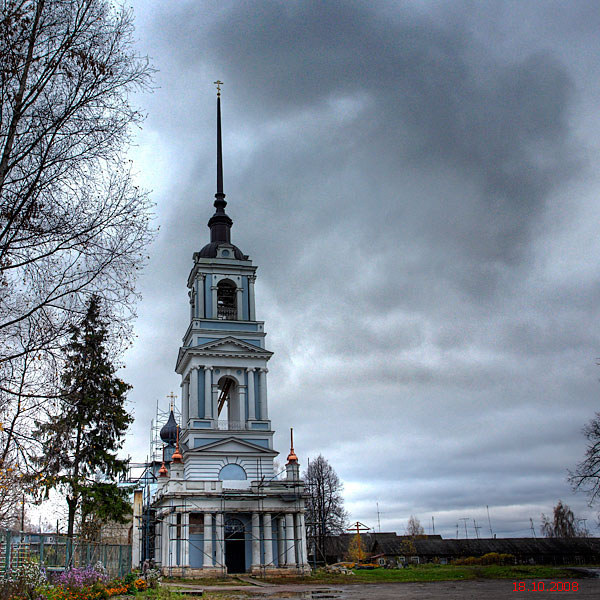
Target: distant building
column 392, row 550
column 219, row 506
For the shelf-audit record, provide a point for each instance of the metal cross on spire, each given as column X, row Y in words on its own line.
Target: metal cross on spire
column 218, row 83
column 172, row 398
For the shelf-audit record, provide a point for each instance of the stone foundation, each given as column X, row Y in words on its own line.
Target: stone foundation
column 193, row 573
column 280, row 571
column 200, row 573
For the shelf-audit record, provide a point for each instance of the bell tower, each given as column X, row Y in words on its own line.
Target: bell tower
column 223, row 359
column 220, row 506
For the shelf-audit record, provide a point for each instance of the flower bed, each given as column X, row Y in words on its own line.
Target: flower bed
column 30, row 582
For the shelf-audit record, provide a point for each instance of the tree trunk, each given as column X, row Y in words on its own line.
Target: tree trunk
column 72, row 504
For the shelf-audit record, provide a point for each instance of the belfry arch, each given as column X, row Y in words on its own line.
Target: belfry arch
column 226, row 300
column 229, row 400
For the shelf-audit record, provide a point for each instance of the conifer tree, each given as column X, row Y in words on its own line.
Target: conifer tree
column 81, row 441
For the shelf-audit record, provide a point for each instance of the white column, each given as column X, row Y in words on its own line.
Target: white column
column 241, row 416
column 290, row 542
column 213, row 289
column 215, row 400
column 251, row 400
column 251, row 313
column 185, row 539
column 268, row 533
column 200, row 292
column 137, row 527
column 208, row 543
column 262, row 409
column 208, row 413
column 185, row 404
column 173, row 545
column 220, row 541
column 239, row 302
column 301, row 539
column 256, row 558
column 164, row 543
column 193, row 398
column 280, row 541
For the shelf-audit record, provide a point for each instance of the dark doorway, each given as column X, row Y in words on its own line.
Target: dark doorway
column 235, row 546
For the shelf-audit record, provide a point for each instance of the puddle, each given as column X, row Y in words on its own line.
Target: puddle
column 325, row 594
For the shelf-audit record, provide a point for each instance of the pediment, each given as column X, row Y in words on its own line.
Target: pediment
column 231, row 344
column 223, row 347
column 235, row 446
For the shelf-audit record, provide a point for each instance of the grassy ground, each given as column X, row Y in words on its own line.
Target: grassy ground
column 431, row 573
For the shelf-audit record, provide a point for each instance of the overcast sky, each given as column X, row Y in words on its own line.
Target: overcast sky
column 418, row 184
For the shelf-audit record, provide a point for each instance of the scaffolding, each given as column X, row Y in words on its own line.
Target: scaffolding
column 179, row 527
column 143, row 476
column 156, row 424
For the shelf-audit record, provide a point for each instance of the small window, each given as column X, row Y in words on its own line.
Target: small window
column 232, row 472
column 382, row 561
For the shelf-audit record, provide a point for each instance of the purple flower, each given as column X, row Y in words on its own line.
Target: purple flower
column 78, row 577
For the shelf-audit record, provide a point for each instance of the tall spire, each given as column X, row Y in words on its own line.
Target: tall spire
column 219, row 193
column 220, row 223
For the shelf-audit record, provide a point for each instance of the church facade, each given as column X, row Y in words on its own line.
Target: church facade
column 219, row 505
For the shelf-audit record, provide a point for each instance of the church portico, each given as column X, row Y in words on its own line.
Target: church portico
column 213, row 542
column 220, row 505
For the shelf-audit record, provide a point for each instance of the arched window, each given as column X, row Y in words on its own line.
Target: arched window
column 234, row 529
column 232, row 472
column 226, row 300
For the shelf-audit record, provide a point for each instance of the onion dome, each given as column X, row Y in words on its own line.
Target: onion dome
column 168, row 434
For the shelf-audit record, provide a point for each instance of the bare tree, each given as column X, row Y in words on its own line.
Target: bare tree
column 586, row 476
column 414, row 527
column 562, row 525
column 325, row 514
column 72, row 222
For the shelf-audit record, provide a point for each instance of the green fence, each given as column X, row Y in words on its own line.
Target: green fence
column 58, row 552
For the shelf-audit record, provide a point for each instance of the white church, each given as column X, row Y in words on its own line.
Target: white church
column 219, row 505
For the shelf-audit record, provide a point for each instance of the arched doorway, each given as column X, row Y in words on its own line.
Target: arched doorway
column 235, row 546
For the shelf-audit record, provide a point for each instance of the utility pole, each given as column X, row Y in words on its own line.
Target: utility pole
column 378, row 520
column 457, row 531
column 489, row 521
column 477, row 528
column 465, row 519
column 432, row 525
column 532, row 527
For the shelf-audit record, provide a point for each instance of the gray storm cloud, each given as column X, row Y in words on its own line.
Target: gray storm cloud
column 417, row 189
